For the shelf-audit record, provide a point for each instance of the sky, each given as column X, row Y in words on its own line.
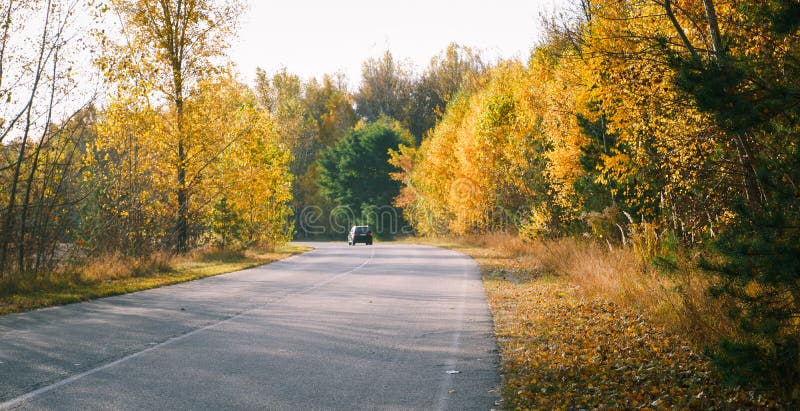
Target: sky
column 311, row 38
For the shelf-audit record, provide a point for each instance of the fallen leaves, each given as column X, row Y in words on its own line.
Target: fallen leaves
column 562, row 350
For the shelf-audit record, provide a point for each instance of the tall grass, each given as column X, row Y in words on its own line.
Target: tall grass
column 623, row 275
column 116, row 266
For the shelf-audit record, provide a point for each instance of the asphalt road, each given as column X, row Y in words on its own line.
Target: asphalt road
column 386, row 327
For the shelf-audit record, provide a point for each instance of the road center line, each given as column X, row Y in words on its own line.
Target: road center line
column 336, row 277
column 35, row 393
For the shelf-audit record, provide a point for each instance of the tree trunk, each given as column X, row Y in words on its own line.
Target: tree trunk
column 34, row 167
column 713, row 28
column 175, row 28
column 183, row 201
column 679, row 28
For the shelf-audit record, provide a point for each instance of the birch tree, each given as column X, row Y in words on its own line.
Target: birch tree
column 37, row 46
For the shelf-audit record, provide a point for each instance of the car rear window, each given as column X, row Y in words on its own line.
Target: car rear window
column 362, row 230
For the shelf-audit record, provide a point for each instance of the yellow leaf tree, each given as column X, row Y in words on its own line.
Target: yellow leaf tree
column 165, row 48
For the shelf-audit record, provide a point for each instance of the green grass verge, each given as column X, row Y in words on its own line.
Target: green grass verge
column 60, row 289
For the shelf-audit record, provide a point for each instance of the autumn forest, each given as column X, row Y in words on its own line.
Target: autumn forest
column 658, row 133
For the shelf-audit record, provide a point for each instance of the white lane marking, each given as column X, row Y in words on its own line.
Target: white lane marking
column 443, row 395
column 336, row 277
column 14, row 402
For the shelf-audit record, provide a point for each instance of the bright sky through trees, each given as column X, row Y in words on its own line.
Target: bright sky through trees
column 314, row 37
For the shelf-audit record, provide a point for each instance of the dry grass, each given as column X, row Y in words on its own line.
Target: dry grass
column 581, row 325
column 117, row 266
column 116, row 274
column 676, row 301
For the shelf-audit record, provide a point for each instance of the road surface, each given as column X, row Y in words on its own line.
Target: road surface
column 385, row 327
